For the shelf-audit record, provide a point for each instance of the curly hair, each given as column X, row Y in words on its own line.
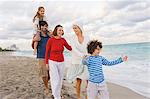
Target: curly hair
column 92, row 45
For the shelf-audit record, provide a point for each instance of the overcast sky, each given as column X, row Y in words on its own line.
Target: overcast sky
column 110, row 21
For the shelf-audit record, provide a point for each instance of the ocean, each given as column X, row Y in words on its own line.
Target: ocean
column 133, row 74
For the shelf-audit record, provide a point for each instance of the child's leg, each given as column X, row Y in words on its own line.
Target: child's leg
column 35, row 47
column 36, row 38
column 92, row 90
column 103, row 92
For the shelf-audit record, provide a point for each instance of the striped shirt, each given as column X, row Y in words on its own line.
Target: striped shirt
column 94, row 64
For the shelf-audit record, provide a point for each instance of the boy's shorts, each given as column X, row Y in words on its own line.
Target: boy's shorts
column 97, row 91
column 43, row 72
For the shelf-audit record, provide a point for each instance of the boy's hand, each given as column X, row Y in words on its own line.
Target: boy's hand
column 125, row 58
column 47, row 66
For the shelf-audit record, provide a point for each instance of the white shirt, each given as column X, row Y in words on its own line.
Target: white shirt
column 78, row 49
column 36, row 24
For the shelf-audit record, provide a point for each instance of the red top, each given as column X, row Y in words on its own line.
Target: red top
column 55, row 48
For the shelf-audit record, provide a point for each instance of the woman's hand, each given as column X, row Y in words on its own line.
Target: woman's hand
column 85, row 56
column 125, row 58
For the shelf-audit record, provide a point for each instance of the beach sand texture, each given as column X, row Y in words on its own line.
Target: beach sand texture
column 19, row 80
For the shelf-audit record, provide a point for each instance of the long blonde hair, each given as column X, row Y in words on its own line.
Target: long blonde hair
column 37, row 13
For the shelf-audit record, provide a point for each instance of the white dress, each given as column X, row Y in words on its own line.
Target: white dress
column 77, row 69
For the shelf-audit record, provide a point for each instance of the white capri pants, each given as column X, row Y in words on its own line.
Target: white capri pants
column 56, row 71
column 97, row 91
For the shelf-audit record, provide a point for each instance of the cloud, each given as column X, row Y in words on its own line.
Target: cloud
column 109, row 20
column 121, row 4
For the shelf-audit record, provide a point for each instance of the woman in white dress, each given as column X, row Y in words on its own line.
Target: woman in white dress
column 77, row 71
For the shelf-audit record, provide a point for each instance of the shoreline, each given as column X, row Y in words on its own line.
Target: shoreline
column 120, row 92
column 27, row 73
column 131, row 89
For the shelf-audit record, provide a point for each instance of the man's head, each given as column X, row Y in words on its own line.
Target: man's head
column 43, row 25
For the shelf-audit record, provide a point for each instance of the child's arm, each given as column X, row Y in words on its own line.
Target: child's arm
column 48, row 47
column 35, row 25
column 45, row 19
column 67, row 45
column 109, row 63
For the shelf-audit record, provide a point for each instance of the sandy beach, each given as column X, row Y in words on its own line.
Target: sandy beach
column 19, row 80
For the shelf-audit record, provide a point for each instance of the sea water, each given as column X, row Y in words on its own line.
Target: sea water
column 134, row 74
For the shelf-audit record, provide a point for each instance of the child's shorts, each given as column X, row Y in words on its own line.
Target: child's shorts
column 97, row 91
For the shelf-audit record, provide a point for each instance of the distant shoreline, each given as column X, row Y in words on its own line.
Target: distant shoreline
column 11, row 48
column 7, row 50
column 126, row 44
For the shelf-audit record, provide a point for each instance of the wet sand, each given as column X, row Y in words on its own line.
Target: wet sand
column 19, row 80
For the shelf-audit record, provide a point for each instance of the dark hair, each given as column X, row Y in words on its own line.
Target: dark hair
column 55, row 30
column 92, row 45
column 42, row 23
column 37, row 13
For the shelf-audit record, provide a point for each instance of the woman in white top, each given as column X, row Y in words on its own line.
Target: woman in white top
column 77, row 71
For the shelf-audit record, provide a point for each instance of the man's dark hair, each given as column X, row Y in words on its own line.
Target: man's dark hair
column 92, row 45
column 42, row 23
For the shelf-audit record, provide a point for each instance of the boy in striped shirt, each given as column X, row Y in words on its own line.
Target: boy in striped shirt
column 97, row 86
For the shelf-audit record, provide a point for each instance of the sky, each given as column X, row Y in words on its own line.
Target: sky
column 110, row 21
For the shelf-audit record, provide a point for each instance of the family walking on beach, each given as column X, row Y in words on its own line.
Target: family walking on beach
column 86, row 63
